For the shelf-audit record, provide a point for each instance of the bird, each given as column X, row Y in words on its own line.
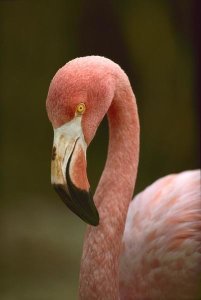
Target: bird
column 148, row 248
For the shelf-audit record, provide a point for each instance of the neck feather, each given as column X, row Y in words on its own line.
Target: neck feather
column 99, row 275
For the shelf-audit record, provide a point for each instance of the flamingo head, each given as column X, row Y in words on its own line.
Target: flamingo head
column 78, row 98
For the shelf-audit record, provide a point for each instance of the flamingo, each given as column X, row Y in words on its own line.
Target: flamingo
column 145, row 249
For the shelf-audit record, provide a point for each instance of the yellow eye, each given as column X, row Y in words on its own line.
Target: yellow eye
column 80, row 108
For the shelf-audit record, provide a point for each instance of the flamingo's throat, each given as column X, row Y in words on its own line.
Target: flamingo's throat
column 68, row 171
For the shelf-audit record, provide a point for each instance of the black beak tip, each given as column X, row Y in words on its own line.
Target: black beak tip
column 80, row 202
column 95, row 220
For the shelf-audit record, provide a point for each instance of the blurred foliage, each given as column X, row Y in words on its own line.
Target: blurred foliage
column 41, row 240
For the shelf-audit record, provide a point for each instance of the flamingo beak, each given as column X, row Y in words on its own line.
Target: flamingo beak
column 68, row 171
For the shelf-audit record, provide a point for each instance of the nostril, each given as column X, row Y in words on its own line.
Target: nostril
column 53, row 153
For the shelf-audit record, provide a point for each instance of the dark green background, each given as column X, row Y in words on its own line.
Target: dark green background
column 41, row 240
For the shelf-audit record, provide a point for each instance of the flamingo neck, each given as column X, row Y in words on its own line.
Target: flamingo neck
column 99, row 275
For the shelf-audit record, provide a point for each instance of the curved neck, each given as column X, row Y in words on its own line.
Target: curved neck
column 99, row 275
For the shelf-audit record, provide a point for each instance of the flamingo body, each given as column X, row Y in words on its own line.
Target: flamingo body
column 147, row 249
column 161, row 248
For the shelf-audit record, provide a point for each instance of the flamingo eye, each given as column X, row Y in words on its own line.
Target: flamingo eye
column 80, row 108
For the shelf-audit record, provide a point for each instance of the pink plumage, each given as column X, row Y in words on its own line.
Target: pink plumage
column 145, row 249
column 161, row 256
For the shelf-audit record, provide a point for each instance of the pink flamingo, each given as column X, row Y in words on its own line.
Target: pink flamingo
column 148, row 248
